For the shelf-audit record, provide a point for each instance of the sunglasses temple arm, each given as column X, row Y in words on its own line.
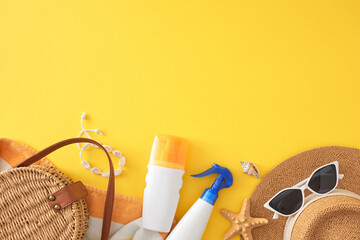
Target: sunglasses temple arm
column 341, row 176
column 276, row 216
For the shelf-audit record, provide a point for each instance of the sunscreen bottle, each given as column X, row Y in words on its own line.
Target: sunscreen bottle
column 163, row 182
column 193, row 224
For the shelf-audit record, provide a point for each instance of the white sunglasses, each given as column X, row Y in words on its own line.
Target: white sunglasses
column 290, row 200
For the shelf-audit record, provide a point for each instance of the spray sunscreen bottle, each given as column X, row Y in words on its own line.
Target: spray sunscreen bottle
column 193, row 224
column 163, row 182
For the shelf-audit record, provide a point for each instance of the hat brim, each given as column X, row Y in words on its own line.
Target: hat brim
column 294, row 170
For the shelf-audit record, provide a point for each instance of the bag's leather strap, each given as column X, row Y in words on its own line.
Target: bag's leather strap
column 109, row 202
column 67, row 196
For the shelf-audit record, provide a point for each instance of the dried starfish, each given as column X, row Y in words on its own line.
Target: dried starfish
column 242, row 223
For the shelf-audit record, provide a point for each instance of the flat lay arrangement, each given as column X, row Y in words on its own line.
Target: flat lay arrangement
column 179, row 120
column 46, row 204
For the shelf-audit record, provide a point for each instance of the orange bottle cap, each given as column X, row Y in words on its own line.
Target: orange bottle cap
column 169, row 151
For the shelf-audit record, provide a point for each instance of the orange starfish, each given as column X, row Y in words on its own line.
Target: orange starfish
column 242, row 223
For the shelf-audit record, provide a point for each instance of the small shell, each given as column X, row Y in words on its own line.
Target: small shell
column 105, row 174
column 85, row 164
column 95, row 170
column 122, row 162
column 117, row 172
column 108, row 148
column 250, row 169
column 117, row 153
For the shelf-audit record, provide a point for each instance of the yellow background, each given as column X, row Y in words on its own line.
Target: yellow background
column 252, row 81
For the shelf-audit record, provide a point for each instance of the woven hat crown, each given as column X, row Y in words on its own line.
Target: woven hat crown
column 336, row 216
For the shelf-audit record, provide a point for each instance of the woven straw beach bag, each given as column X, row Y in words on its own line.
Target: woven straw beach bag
column 38, row 202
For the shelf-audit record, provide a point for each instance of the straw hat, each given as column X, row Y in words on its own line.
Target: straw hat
column 332, row 216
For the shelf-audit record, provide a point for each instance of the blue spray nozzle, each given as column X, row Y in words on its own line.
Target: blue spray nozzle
column 224, row 180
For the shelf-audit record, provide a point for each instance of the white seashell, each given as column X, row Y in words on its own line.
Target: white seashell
column 105, row 174
column 86, row 164
column 117, row 172
column 117, row 153
column 122, row 162
column 108, row 148
column 95, row 170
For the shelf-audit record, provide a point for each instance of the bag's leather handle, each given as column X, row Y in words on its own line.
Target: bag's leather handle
column 109, row 202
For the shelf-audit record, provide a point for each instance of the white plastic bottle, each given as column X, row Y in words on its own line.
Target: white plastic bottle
column 193, row 224
column 163, row 182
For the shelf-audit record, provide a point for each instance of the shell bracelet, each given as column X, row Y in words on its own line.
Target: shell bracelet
column 86, row 164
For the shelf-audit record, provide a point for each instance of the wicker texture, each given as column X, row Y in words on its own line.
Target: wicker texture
column 296, row 169
column 335, row 217
column 25, row 212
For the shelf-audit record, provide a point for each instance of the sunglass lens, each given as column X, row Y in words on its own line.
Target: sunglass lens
column 288, row 201
column 323, row 180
